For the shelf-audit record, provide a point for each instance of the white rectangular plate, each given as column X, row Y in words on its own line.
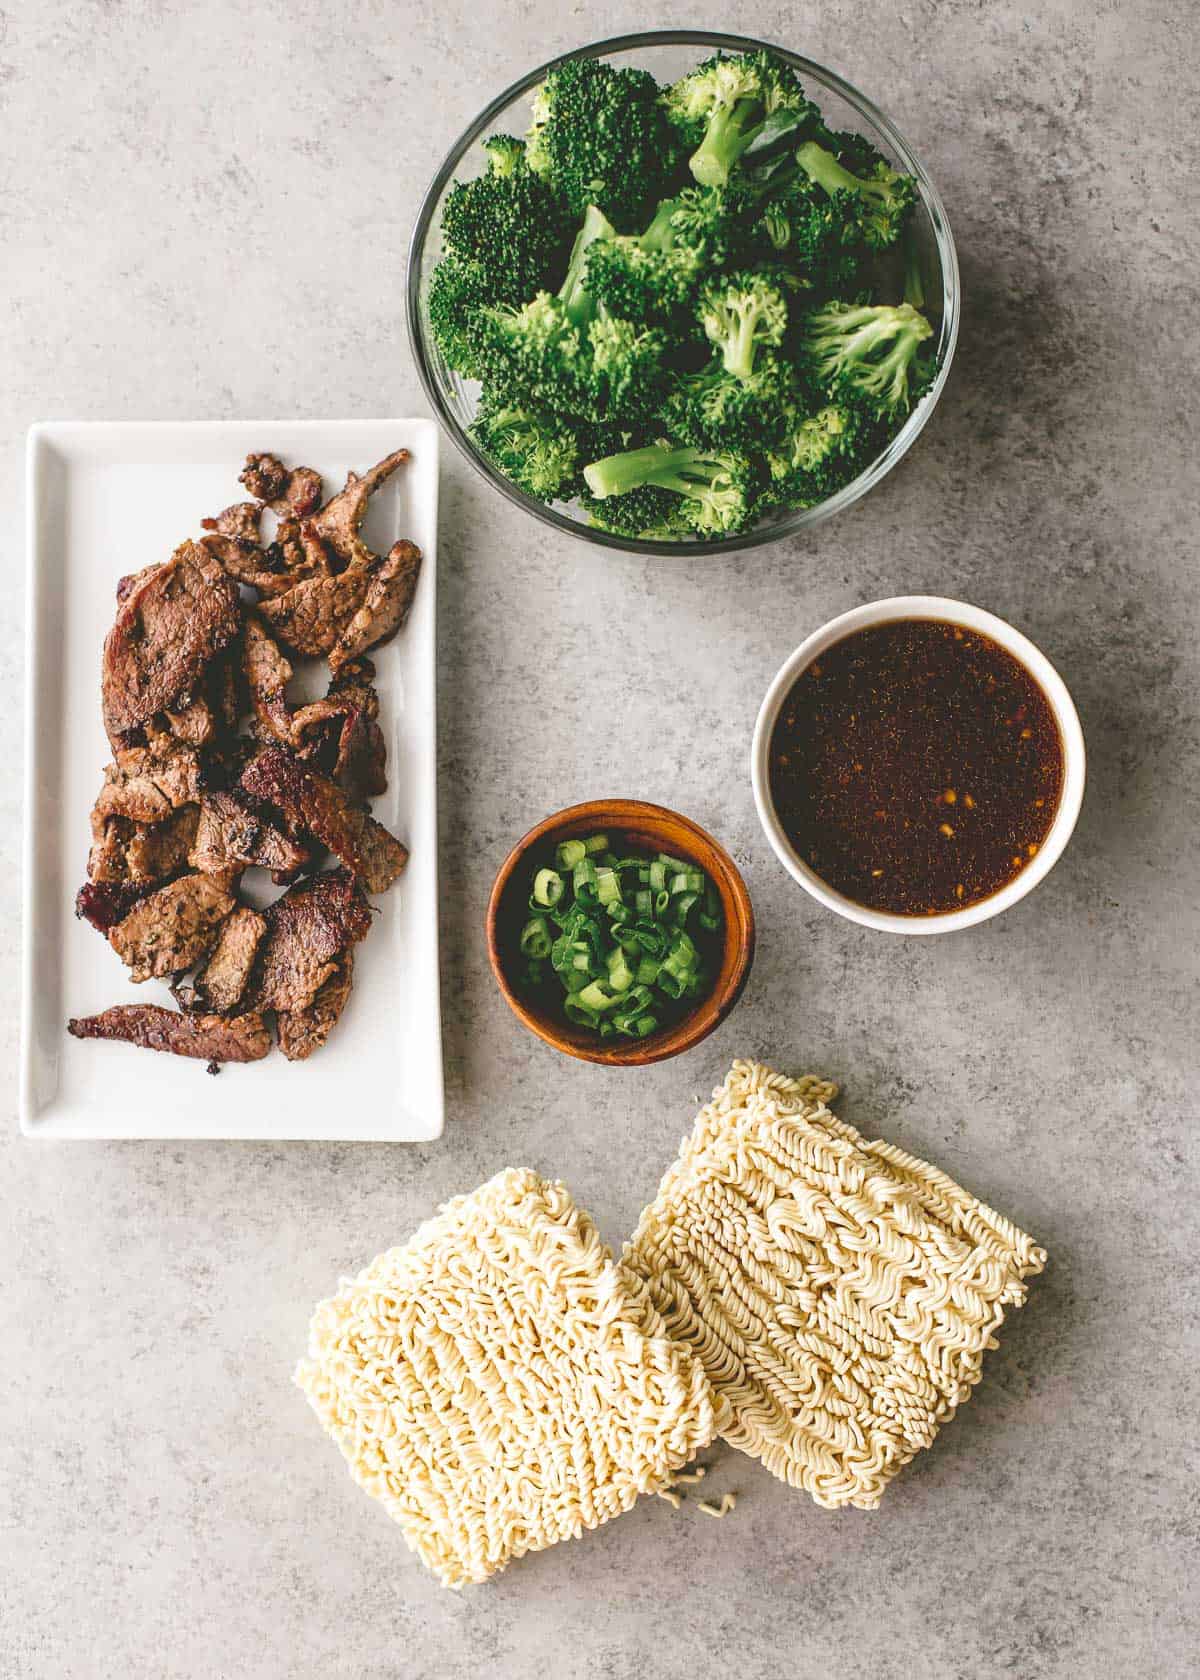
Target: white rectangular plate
column 109, row 499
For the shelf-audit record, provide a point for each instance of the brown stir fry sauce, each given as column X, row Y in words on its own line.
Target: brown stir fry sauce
column 916, row 767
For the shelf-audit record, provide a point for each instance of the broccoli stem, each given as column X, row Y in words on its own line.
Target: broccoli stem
column 725, row 139
column 914, row 286
column 577, row 302
column 658, row 464
column 660, row 235
column 823, row 168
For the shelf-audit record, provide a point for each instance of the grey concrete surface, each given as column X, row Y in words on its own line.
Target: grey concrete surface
column 204, row 211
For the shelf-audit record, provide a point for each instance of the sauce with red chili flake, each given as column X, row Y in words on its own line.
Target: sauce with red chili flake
column 916, row 767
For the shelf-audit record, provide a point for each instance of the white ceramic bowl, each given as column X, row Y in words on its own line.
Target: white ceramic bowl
column 1035, row 662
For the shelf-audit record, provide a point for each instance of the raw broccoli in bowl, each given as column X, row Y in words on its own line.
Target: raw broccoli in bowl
column 689, row 308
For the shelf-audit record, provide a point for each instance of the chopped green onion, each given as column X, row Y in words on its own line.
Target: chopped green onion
column 548, row 887
column 620, row 975
column 597, row 997
column 684, row 905
column 535, row 937
column 608, row 886
column 621, row 952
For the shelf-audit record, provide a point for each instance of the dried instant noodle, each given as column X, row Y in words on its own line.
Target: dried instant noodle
column 839, row 1293
column 499, row 1384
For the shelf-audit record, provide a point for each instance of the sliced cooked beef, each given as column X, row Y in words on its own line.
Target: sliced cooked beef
column 340, row 734
column 301, row 493
column 240, row 521
column 338, row 522
column 105, row 903
column 192, row 720
column 311, row 617
column 225, row 688
column 127, row 584
column 147, row 783
column 264, row 476
column 166, row 630
column 385, row 607
column 172, row 928
column 301, row 1031
column 220, row 984
column 131, row 851
column 308, row 930
column 311, row 800
column 231, row 836
column 267, row 675
column 240, row 559
column 297, row 554
column 209, row 1038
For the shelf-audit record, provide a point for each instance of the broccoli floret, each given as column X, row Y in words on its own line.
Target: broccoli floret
column 742, row 314
column 710, row 221
column 880, row 202
column 715, row 490
column 536, row 354
column 821, row 454
column 715, row 409
column 722, row 105
column 541, row 453
column 574, row 293
column 600, row 136
column 646, row 512
column 509, row 222
column 867, row 355
column 458, row 292
column 648, row 278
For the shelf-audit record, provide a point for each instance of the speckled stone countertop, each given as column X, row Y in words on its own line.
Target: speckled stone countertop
column 204, row 211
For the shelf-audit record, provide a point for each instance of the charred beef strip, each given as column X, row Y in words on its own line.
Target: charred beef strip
column 301, row 493
column 264, row 476
column 239, row 521
column 267, row 675
column 105, row 903
column 171, row 929
column 386, row 604
column 311, row 800
column 231, row 835
column 147, row 783
column 341, row 736
column 124, row 851
column 338, row 522
column 297, row 491
column 220, row 984
column 166, row 630
column 311, row 617
column 297, row 554
column 308, row 931
column 301, row 1031
column 192, row 720
column 209, row 1038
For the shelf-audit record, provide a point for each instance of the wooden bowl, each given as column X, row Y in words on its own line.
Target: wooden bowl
column 636, row 827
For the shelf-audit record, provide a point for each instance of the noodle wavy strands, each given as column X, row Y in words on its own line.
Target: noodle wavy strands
column 840, row 1293
column 499, row 1384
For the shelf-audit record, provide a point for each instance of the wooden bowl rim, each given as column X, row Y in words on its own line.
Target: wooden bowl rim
column 621, row 815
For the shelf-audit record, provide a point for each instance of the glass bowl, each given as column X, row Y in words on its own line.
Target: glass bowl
column 667, row 54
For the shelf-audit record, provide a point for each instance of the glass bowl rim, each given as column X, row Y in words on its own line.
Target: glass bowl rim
column 798, row 519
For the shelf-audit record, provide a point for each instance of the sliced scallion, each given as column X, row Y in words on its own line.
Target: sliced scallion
column 610, row 933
